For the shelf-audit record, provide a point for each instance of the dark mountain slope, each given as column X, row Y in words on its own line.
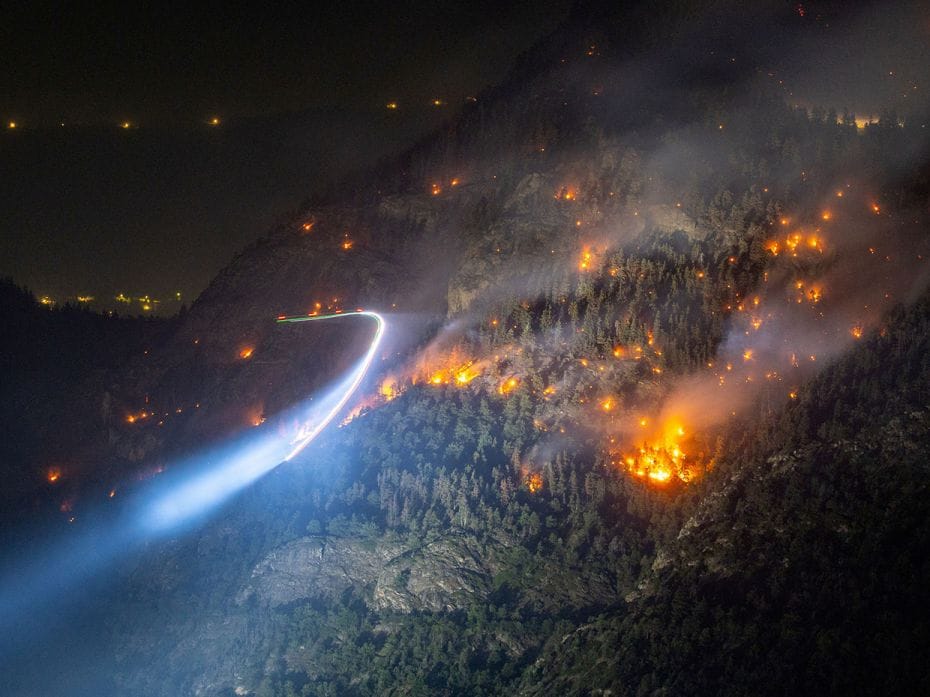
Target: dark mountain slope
column 558, row 265
column 803, row 568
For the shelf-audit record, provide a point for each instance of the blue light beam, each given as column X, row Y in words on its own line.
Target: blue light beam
column 185, row 496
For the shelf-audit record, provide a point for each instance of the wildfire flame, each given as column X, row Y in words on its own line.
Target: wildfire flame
column 508, row 385
column 534, row 482
column 661, row 457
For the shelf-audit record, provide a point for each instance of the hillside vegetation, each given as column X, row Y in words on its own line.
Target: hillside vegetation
column 613, row 447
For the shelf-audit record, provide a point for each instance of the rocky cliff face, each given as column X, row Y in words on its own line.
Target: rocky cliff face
column 444, row 573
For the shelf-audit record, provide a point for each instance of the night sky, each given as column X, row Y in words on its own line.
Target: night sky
column 300, row 92
column 90, row 208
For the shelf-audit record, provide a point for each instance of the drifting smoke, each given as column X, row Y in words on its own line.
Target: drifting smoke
column 834, row 248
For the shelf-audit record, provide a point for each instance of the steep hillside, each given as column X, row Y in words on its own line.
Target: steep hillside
column 650, row 419
column 803, row 566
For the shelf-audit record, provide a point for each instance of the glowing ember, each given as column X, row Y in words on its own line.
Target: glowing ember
column 53, row 475
column 856, row 331
column 586, row 259
column 246, row 352
column 139, row 416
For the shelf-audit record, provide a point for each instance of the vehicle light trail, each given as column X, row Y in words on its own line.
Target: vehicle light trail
column 182, row 498
column 190, row 497
column 308, row 433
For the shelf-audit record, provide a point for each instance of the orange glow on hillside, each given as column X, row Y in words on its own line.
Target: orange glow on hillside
column 584, row 263
column 661, row 456
column 797, row 241
column 508, row 385
column 454, row 367
column 534, row 482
